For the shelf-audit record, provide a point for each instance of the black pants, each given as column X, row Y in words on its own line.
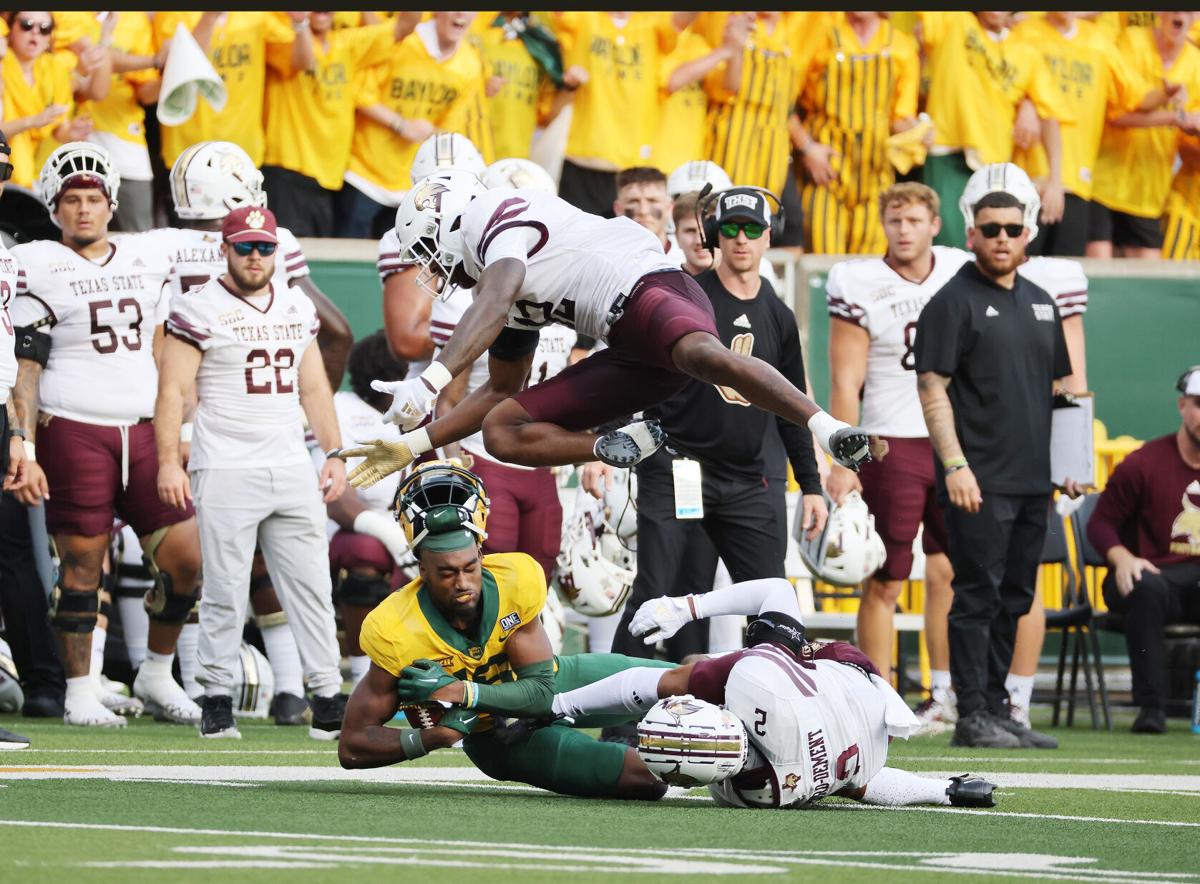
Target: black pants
column 995, row 554
column 793, row 219
column 1157, row 599
column 1067, row 238
column 745, row 522
column 299, row 202
column 23, row 602
column 588, row 189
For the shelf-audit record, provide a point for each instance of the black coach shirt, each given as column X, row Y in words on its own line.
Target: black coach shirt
column 1002, row 350
column 719, row 428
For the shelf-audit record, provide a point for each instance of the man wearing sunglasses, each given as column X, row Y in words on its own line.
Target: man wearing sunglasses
column 246, row 346
column 990, row 352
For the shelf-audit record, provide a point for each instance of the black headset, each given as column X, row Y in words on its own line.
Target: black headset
column 1181, row 384
column 708, row 225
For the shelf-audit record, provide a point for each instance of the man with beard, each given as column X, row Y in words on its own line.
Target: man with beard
column 989, row 349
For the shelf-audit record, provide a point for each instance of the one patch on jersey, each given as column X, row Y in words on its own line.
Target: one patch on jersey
column 1043, row 312
column 510, row 621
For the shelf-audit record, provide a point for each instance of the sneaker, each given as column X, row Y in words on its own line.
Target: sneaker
column 969, row 791
column 165, row 699
column 620, row 733
column 1019, row 714
column 42, row 706
column 9, row 740
column 631, row 444
column 12, row 698
column 935, row 718
column 1150, row 720
column 216, row 719
column 1030, row 739
column 327, row 713
column 87, row 710
column 288, row 709
column 981, row 730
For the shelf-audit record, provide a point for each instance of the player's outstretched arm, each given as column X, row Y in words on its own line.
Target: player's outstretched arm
column 366, row 742
column 662, row 617
column 495, row 293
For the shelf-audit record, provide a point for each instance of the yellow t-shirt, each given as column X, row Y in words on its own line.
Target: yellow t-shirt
column 852, row 96
column 406, row 626
column 615, row 116
column 1184, row 197
column 513, row 111
column 448, row 93
column 1133, row 168
column 239, row 52
column 681, row 130
column 51, row 85
column 1093, row 82
column 976, row 84
column 120, row 113
column 747, row 131
column 310, row 115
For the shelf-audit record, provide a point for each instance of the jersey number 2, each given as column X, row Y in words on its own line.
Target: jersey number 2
column 261, row 359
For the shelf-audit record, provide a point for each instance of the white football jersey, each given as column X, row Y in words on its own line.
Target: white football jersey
column 389, row 261
column 249, row 413
column 359, row 422
column 1063, row 280
column 195, row 256
column 11, row 277
column 869, row 293
column 814, row 730
column 576, row 264
column 101, row 317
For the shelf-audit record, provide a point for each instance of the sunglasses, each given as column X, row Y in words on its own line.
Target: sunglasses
column 43, row 28
column 6, row 170
column 730, row 229
column 245, row 248
column 992, row 229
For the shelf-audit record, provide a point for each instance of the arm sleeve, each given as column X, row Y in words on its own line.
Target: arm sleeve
column 750, row 598
column 1118, row 502
column 529, row 696
column 939, row 333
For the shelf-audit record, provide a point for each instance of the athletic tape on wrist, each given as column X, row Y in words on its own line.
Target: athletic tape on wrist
column 823, row 425
column 437, row 376
column 417, row 441
column 185, row 433
column 30, row 450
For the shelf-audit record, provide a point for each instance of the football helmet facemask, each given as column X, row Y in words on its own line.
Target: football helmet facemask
column 440, row 496
column 444, row 152
column 212, row 178
column 429, row 228
column 254, row 683
column 689, row 742
column 849, row 549
column 76, row 164
column 1009, row 178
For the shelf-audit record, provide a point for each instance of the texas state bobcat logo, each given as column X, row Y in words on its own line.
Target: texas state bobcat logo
column 1187, row 523
column 429, row 195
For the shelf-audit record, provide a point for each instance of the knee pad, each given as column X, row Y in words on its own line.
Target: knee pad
column 276, row 618
column 74, row 610
column 162, row 604
column 361, row 590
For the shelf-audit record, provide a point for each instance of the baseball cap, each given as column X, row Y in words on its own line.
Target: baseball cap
column 743, row 204
column 1189, row 382
column 249, row 224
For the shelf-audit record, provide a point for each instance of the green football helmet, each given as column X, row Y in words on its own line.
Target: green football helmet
column 440, row 497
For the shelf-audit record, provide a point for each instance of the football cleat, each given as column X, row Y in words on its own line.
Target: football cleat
column 9, row 740
column 288, row 709
column 969, row 791
column 216, row 721
column 165, row 699
column 109, row 693
column 327, row 714
column 86, row 710
column 983, row 731
column 1030, row 739
column 630, row 444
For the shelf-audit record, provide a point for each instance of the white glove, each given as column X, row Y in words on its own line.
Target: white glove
column 387, row 532
column 661, row 618
column 414, row 398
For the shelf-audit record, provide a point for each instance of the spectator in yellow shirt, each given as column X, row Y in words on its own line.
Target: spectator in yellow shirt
column 1137, row 150
column 310, row 118
column 434, row 82
column 1181, row 223
column 40, row 89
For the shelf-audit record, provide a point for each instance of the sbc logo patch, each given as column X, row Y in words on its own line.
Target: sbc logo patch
column 510, row 621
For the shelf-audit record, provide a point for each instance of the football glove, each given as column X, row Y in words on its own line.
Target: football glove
column 661, row 618
column 411, row 401
column 420, row 679
column 382, row 458
column 459, row 719
column 852, row 447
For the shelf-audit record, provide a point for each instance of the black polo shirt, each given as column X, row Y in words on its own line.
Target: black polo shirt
column 1002, row 349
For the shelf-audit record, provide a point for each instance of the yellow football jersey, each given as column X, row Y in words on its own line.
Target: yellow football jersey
column 1133, row 169
column 51, row 85
column 407, row 626
column 681, row 129
column 513, row 111
column 1094, row 82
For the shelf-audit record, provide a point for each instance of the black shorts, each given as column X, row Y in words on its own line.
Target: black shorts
column 589, row 190
column 1123, row 229
column 1069, row 237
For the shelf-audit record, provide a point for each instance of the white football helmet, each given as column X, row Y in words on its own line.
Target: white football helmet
column 70, row 162
column 253, row 683
column 554, row 621
column 694, row 174
column 849, row 549
column 598, row 561
column 1008, row 177
column 212, row 178
column 428, row 226
column 444, row 151
column 690, row 742
column 11, row 696
column 516, row 172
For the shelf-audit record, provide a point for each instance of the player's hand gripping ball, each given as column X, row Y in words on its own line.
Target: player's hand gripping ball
column 421, row 679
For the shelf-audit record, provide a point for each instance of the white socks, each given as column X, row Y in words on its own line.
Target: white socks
column 895, row 788
column 99, row 640
column 80, row 686
column 136, row 625
column 939, row 683
column 284, row 658
column 358, row 667
column 1020, row 690
column 632, row 690
column 185, row 648
column 157, row 665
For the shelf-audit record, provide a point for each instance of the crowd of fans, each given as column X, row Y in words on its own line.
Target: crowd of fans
column 825, row 109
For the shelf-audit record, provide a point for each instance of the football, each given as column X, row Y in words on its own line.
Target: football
column 424, row 717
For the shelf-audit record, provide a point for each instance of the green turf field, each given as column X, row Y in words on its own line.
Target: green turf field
column 155, row 803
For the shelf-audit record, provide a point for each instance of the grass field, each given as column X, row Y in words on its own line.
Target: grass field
column 155, row 803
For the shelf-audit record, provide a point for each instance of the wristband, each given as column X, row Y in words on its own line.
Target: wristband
column 691, row 600
column 185, row 432
column 334, row 452
column 470, row 695
column 417, row 441
column 824, row 425
column 952, row 462
column 30, row 451
column 437, row 376
column 411, row 744
column 18, row 432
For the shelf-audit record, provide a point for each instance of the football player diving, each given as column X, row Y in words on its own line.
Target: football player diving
column 532, row 259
